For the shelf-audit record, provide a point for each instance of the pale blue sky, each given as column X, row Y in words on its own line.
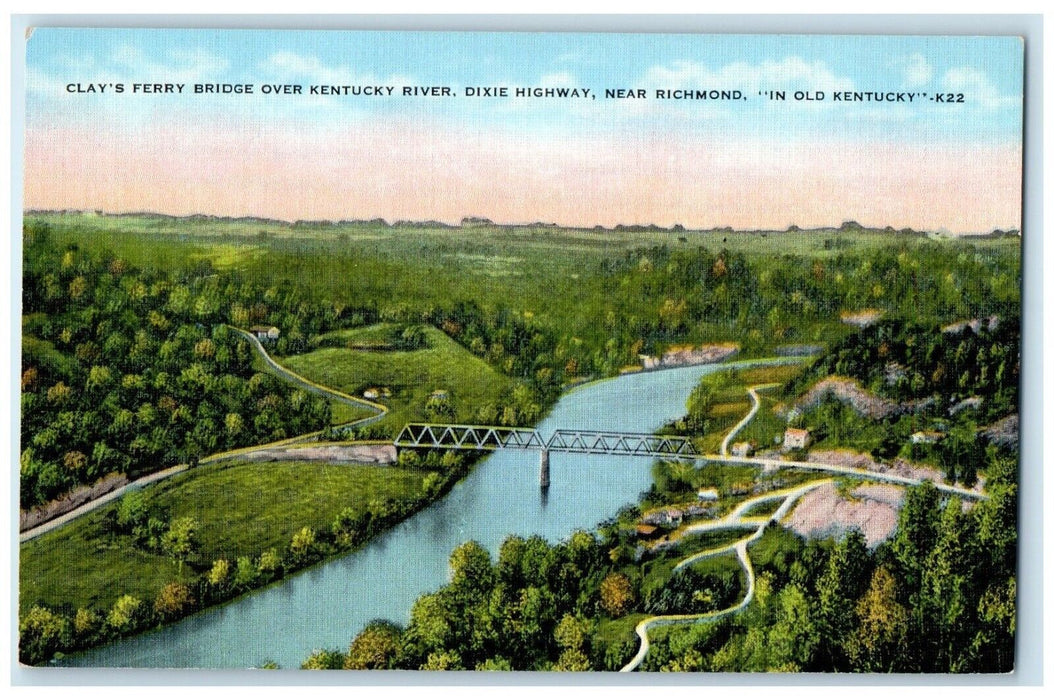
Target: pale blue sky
column 988, row 70
column 582, row 161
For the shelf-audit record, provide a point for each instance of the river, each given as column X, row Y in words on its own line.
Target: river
column 326, row 606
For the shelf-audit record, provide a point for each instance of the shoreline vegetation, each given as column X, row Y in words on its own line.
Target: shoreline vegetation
column 203, row 583
column 129, row 360
column 227, row 581
column 788, row 600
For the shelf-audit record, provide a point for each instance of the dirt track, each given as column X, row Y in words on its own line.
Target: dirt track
column 330, row 454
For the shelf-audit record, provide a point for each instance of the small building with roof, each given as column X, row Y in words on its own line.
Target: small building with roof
column 265, row 332
column 796, row 439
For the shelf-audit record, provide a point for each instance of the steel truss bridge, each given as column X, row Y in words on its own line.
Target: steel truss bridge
column 485, row 437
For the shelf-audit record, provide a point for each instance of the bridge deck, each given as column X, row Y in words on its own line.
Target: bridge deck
column 485, row 437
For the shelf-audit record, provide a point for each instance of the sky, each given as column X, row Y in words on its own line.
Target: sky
column 748, row 163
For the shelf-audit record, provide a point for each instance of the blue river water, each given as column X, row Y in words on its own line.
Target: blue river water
column 326, row 606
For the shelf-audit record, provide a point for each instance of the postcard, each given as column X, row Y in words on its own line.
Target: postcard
column 478, row 351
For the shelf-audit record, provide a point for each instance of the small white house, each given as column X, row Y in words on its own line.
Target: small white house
column 372, row 394
column 926, row 437
column 742, row 449
column 796, row 439
column 265, row 332
column 707, row 494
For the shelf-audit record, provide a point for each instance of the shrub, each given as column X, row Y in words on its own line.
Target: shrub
column 125, row 614
column 173, row 600
column 41, row 633
column 324, row 660
column 217, row 575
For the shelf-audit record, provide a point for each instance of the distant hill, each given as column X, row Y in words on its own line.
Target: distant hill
column 846, row 227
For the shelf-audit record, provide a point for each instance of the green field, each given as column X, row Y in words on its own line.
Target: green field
column 340, row 411
column 731, row 402
column 343, row 413
column 550, row 273
column 242, row 508
column 411, row 376
column 763, row 508
column 700, row 541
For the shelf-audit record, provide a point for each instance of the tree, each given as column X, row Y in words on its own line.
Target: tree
column 86, row 625
column 837, row 588
column 916, row 534
column 270, row 562
column 510, row 561
column 303, row 543
column 324, row 660
column 572, row 634
column 180, row 543
column 498, row 663
column 125, row 614
column 443, row 661
column 132, row 511
column 471, row 570
column 793, row 638
column 431, row 623
column 616, row 594
column 572, row 660
column 700, row 402
column 346, row 527
column 375, row 647
column 245, row 572
column 234, row 424
column 880, row 639
column 217, row 575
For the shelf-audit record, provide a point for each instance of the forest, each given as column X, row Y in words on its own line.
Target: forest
column 130, row 363
column 938, row 597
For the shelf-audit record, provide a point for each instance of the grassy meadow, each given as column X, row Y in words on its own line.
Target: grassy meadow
column 242, row 508
column 411, row 376
column 731, row 402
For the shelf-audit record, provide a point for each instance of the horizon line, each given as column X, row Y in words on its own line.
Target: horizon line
column 476, row 221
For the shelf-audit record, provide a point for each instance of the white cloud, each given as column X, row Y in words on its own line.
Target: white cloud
column 917, row 71
column 40, row 82
column 791, row 72
column 183, row 66
column 293, row 65
column 290, row 65
column 557, row 80
column 977, row 88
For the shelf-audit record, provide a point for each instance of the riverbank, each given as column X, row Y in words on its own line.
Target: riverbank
column 324, row 606
column 256, row 523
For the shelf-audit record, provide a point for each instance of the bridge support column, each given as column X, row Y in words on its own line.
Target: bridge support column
column 543, row 476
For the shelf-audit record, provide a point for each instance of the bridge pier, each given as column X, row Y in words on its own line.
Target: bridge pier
column 543, row 476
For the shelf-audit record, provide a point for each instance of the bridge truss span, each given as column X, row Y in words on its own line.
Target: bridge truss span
column 468, row 437
column 488, row 437
column 622, row 444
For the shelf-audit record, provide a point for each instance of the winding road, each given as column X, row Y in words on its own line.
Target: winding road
column 285, row 374
column 317, row 389
column 736, row 519
column 747, row 418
